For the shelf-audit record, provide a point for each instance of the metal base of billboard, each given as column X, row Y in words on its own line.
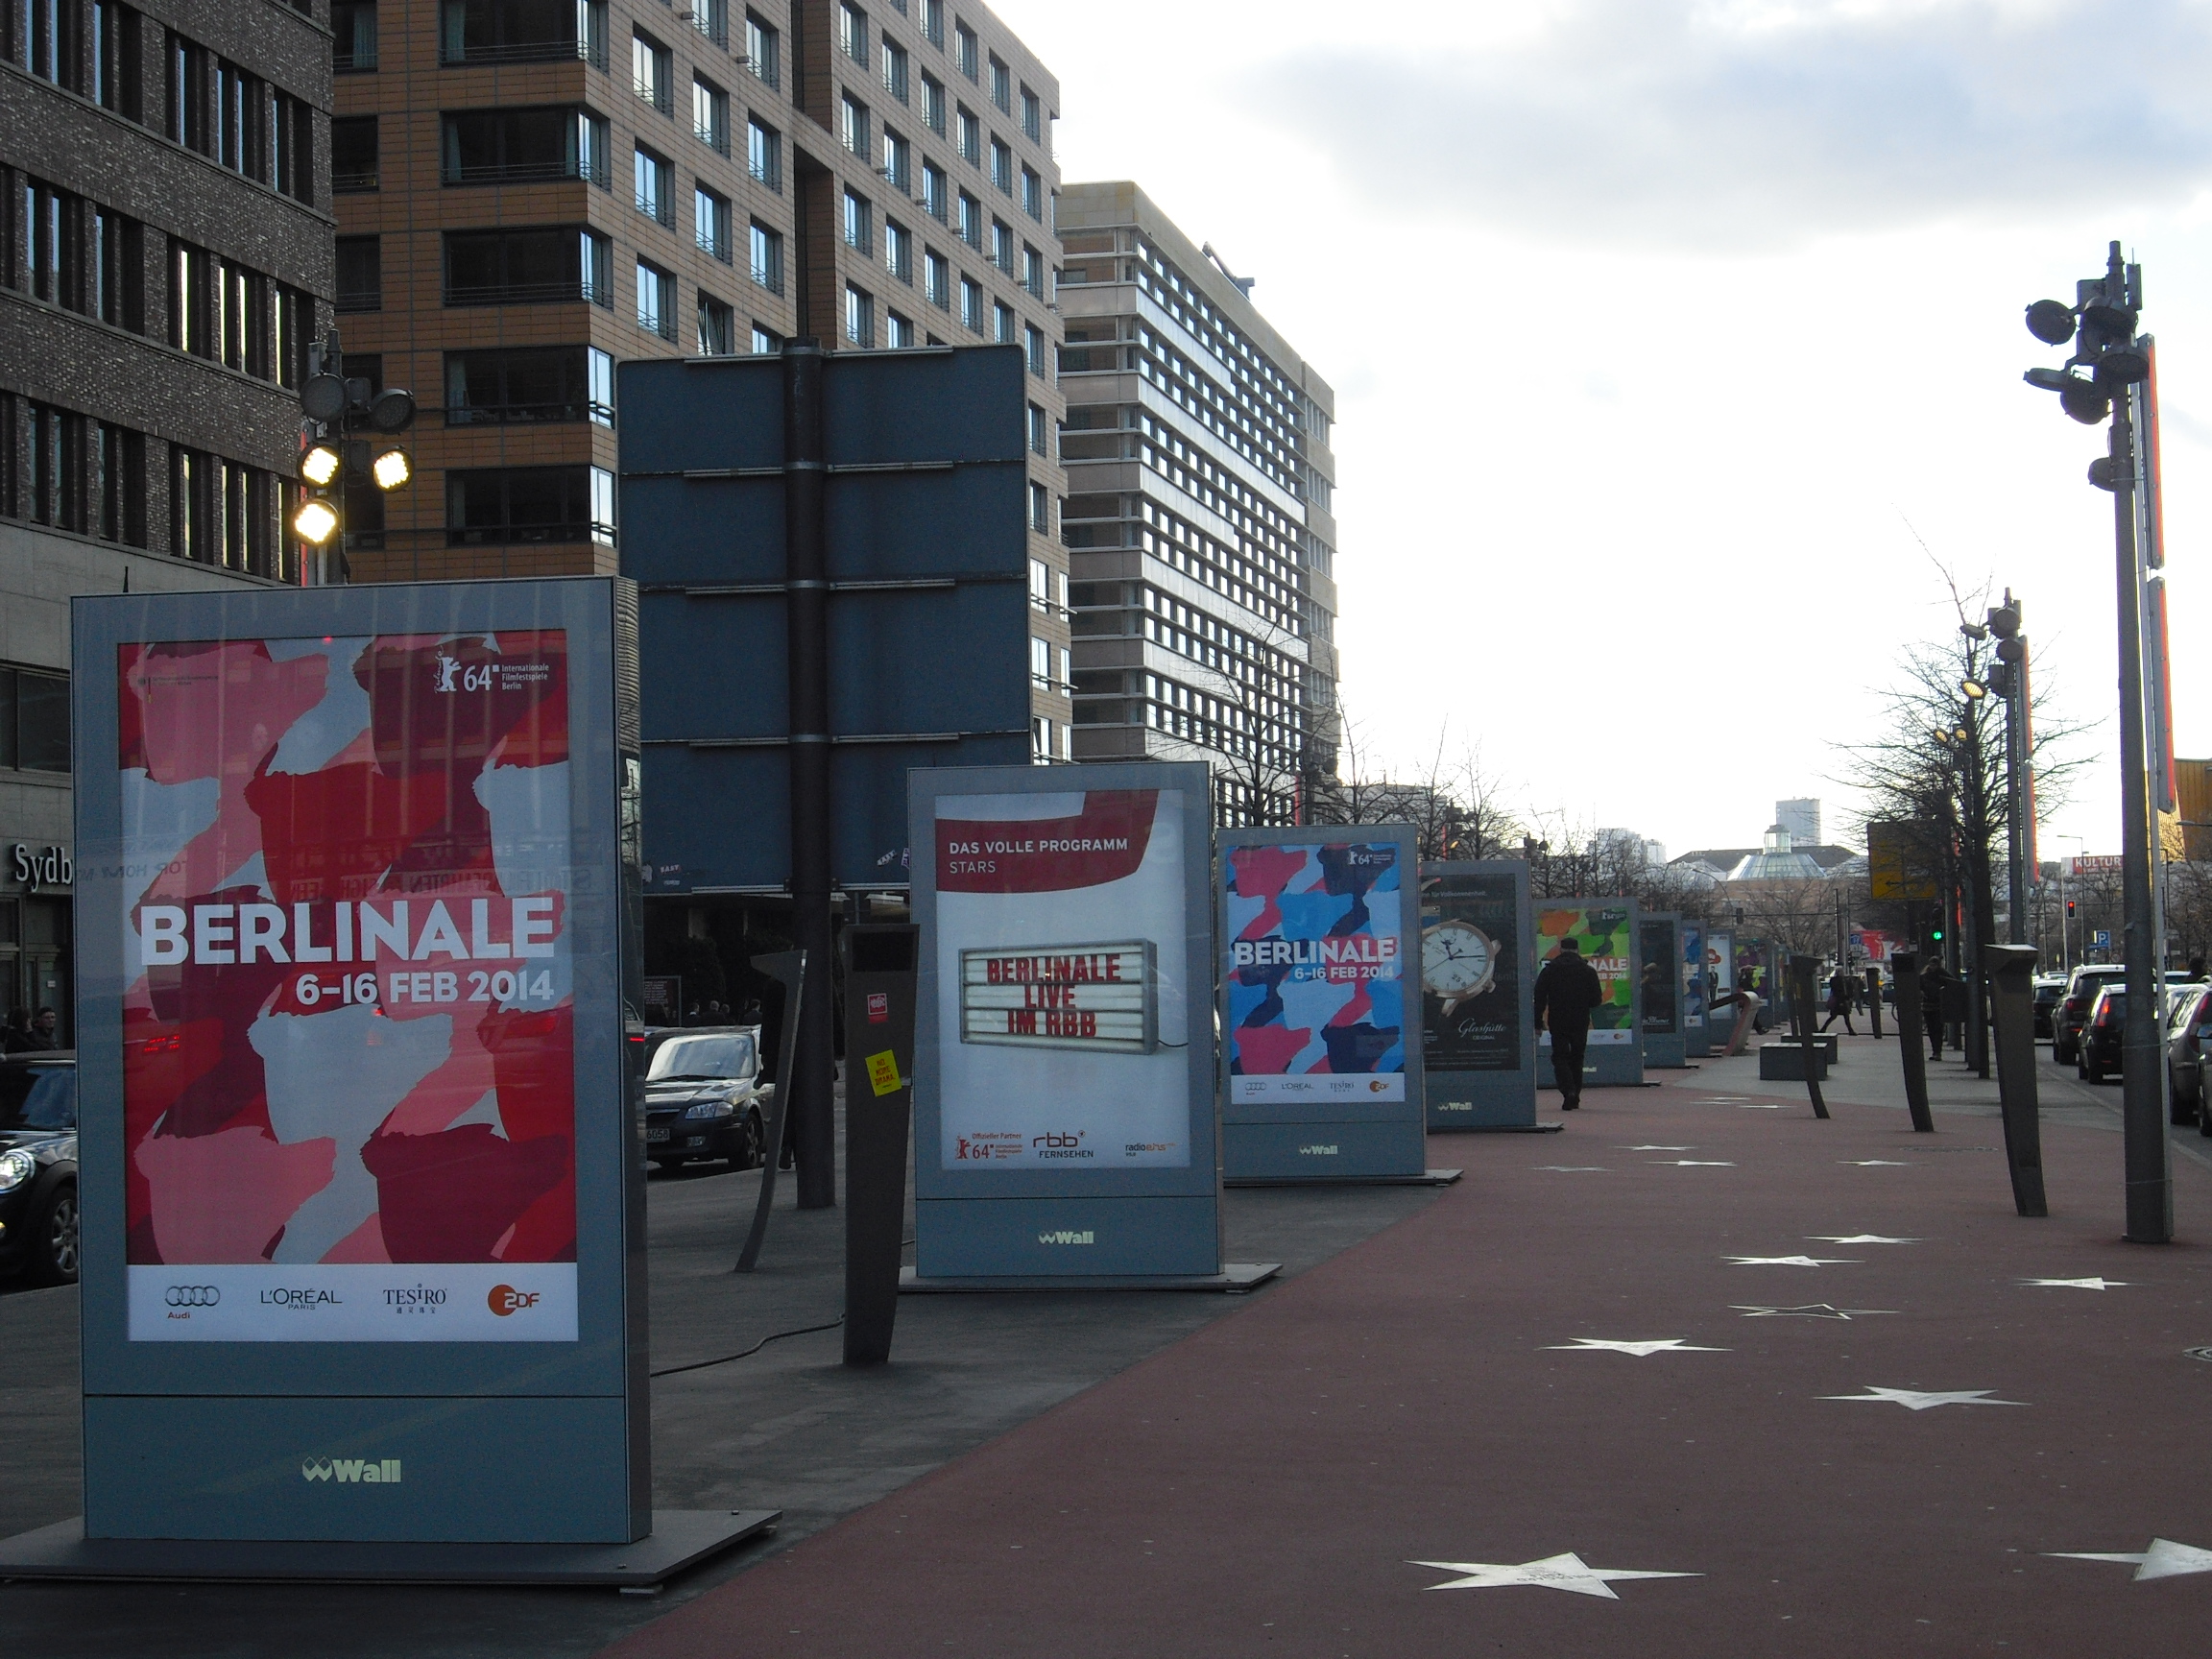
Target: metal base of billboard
column 680, row 1539
column 1235, row 1278
column 1427, row 1178
column 1496, row 1128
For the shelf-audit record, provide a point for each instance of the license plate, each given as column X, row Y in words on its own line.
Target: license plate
column 653, row 1137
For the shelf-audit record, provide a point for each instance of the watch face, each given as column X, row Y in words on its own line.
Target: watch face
column 1455, row 959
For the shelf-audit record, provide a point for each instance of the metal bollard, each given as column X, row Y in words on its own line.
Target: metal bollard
column 1905, row 976
column 1803, row 973
column 2012, row 997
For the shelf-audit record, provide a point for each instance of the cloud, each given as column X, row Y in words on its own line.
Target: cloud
column 1692, row 124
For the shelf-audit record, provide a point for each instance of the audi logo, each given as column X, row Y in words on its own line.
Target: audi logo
column 192, row 1295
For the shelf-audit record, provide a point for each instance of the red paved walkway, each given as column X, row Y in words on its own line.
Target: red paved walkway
column 1260, row 1487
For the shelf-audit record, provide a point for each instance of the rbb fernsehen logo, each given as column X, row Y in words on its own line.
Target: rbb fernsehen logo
column 351, row 1471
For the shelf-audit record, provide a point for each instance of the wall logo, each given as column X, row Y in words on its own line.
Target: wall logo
column 447, row 668
column 505, row 1300
column 1063, row 1237
column 1317, row 1151
column 351, row 1471
column 192, row 1295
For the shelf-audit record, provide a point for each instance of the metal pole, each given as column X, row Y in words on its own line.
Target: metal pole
column 2149, row 1165
column 2012, row 977
column 807, row 566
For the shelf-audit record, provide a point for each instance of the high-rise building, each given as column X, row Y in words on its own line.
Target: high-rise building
column 532, row 191
column 167, row 253
column 1802, row 819
column 1200, row 526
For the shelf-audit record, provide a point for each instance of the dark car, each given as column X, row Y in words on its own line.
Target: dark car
column 39, row 1167
column 2185, row 1049
column 2099, row 1044
column 704, row 1096
column 2050, row 991
column 2074, row 1010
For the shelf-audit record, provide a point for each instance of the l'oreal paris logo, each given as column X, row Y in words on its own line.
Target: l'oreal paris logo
column 301, row 1300
column 1063, row 1237
column 351, row 1471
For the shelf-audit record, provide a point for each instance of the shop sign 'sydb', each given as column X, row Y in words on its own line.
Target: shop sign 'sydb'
column 35, row 867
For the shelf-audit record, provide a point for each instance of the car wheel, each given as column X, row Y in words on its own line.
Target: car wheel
column 54, row 1246
column 2091, row 1071
column 2203, row 1108
column 752, row 1141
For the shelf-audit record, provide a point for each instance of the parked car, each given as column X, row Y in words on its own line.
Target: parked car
column 704, row 1096
column 2184, row 1053
column 2050, row 991
column 39, row 1167
column 2098, row 1045
column 2074, row 1009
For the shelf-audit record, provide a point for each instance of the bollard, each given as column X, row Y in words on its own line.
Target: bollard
column 1874, row 999
column 1803, row 975
column 788, row 969
column 1904, row 978
column 880, row 962
column 2012, row 997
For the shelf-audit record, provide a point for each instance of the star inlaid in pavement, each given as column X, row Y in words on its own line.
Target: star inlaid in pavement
column 1916, row 1400
column 2164, row 1559
column 1856, row 1238
column 1809, row 1311
column 1691, row 1164
column 1574, row 1169
column 1793, row 1261
column 1658, row 1148
column 1600, row 1344
column 1553, row 1572
column 2075, row 1284
column 1874, row 1162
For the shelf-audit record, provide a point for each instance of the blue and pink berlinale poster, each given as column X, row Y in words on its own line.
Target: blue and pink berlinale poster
column 1316, row 994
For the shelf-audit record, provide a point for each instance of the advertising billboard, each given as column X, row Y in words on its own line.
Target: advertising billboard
column 1659, row 989
column 1063, row 1120
column 1319, row 946
column 1477, row 1042
column 1604, row 931
column 1696, row 1035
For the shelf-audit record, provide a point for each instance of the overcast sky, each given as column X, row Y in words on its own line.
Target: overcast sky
column 1666, row 333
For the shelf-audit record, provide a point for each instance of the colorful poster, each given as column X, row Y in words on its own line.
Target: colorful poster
column 1470, row 974
column 1063, row 1008
column 1317, row 999
column 1658, row 971
column 1602, row 933
column 1692, row 977
column 348, row 1079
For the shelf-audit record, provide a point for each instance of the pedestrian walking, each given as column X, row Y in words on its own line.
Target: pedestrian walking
column 1842, row 994
column 1567, row 990
column 1932, row 980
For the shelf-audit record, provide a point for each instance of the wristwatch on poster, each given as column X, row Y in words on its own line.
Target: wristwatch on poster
column 1458, row 962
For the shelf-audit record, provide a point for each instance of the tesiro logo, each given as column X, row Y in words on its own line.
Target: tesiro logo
column 1317, row 1151
column 351, row 1471
column 1063, row 1237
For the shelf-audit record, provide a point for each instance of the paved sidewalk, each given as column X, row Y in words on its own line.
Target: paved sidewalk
column 1560, row 1372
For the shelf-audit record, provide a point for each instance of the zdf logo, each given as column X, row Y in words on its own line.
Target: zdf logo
column 505, row 1299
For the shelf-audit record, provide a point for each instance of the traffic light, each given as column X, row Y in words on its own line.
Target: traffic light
column 333, row 409
column 1937, row 936
column 2069, row 909
column 2100, row 327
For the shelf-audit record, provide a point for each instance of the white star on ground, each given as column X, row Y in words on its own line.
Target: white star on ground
column 1793, row 1261
column 1724, row 1100
column 1915, row 1400
column 2164, row 1559
column 1856, row 1238
column 2075, row 1284
column 1599, row 1344
column 1873, row 1162
column 1574, row 1169
column 1658, row 1148
column 1566, row 1572
column 1691, row 1164
column 1807, row 1310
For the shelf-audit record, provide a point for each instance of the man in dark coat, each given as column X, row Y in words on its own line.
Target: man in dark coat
column 1934, row 978
column 1567, row 990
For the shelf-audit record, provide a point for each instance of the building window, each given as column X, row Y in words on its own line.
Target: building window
column 967, row 50
column 1002, row 166
column 354, row 154
column 1002, row 322
column 859, row 317
column 118, row 457
column 526, row 267
column 1001, row 85
column 1033, row 194
column 972, row 305
column 1032, row 270
column 55, row 452
column 898, row 331
column 513, row 146
column 765, row 344
column 528, row 505
column 937, row 279
column 1003, row 246
column 189, row 124
column 651, row 75
column 1040, row 429
column 599, row 377
column 34, row 720
column 710, row 115
column 852, row 126
column 935, row 191
column 898, row 162
column 1039, row 509
column 971, row 222
column 655, row 300
column 710, row 223
column 354, row 27
column 237, row 111
column 895, row 70
column 933, row 23
column 119, row 269
column 53, row 241
column 651, row 176
column 852, row 33
column 763, row 48
column 522, row 32
column 1032, row 117
column 764, row 155
column 860, row 224
column 717, row 327
column 527, row 385
column 767, row 257
column 968, row 135
column 934, row 105
column 360, row 274
column 1033, row 348
column 1040, row 661
column 898, row 251
column 711, row 18
column 118, row 70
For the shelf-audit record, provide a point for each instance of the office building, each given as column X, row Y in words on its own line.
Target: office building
column 1199, row 523
column 1802, row 818
column 532, row 191
column 167, row 245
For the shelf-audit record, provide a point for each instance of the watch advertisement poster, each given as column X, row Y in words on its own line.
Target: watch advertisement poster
column 1063, row 1013
column 1603, row 933
column 1692, row 977
column 350, row 1108
column 1659, row 967
column 1470, row 974
column 1317, row 995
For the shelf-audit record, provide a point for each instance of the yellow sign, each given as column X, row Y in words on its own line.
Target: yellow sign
column 883, row 1074
column 1898, row 860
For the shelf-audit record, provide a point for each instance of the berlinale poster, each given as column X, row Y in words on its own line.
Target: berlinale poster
column 1601, row 931
column 348, row 1079
column 1317, row 999
column 1660, row 971
column 1062, row 953
column 1470, row 974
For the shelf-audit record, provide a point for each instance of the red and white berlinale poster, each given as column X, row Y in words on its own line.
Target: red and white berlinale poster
column 1061, row 952
column 349, row 1071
